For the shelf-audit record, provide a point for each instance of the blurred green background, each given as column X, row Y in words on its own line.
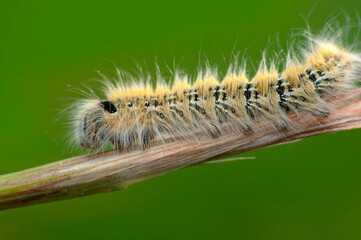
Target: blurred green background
column 306, row 190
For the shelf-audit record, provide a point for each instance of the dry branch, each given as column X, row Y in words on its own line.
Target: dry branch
column 109, row 171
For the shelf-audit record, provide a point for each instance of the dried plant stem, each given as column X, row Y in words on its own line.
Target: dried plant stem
column 109, row 171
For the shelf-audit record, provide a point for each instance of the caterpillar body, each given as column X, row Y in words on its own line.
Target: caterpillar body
column 136, row 114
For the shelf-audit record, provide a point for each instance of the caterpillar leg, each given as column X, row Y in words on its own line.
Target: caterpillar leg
column 125, row 142
column 146, row 138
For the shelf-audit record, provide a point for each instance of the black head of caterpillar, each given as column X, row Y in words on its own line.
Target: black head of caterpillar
column 95, row 123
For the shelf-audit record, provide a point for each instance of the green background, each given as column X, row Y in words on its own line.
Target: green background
column 306, row 190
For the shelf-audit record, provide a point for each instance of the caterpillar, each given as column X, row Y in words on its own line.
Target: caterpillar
column 136, row 114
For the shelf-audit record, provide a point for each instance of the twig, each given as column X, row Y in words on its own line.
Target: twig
column 109, row 171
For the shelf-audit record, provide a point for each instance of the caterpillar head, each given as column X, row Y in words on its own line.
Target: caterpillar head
column 94, row 123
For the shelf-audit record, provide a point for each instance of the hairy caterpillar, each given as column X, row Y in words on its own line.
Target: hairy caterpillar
column 136, row 114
